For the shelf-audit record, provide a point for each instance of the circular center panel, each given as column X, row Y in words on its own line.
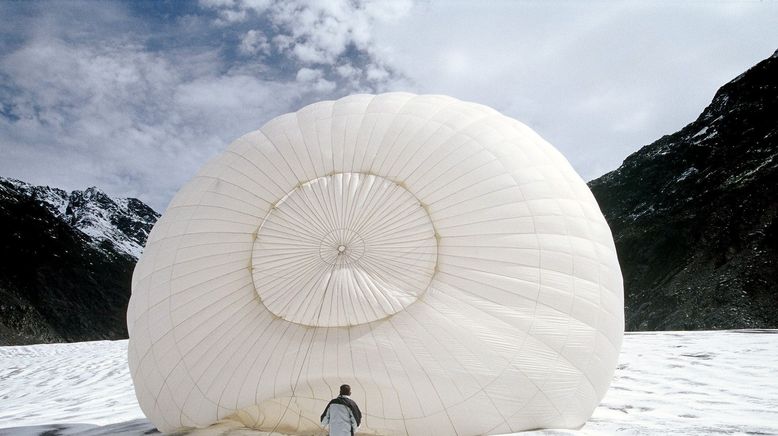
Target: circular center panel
column 343, row 250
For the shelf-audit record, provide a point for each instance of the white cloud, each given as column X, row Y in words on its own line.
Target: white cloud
column 321, row 33
column 229, row 11
column 283, row 42
column 229, row 16
column 101, row 108
column 254, row 42
column 598, row 80
column 314, row 80
column 309, row 54
column 131, row 122
column 346, row 71
column 308, row 75
column 376, row 73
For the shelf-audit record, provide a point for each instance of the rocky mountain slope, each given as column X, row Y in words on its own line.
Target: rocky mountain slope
column 694, row 215
column 66, row 261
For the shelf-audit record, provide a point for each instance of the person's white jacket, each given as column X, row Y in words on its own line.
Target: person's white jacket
column 339, row 418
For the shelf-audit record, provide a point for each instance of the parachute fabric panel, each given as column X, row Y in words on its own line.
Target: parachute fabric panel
column 439, row 257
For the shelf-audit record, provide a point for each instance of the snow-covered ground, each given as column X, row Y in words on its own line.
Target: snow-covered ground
column 694, row 383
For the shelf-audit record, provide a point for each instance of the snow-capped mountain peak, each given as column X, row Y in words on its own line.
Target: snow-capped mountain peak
column 123, row 222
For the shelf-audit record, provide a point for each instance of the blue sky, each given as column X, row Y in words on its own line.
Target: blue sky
column 134, row 97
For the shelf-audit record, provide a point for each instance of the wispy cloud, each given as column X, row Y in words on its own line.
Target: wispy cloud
column 120, row 109
column 330, row 37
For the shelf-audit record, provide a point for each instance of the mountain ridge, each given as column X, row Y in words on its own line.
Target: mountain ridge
column 66, row 261
column 693, row 214
column 122, row 221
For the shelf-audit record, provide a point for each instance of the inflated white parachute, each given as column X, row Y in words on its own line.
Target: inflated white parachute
column 439, row 257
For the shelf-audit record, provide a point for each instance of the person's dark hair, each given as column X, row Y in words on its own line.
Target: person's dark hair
column 345, row 390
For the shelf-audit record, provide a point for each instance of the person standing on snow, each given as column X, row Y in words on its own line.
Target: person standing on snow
column 342, row 414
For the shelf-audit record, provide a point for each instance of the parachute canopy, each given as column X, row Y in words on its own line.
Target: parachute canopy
column 439, row 257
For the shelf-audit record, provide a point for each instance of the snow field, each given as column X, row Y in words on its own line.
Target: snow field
column 694, row 383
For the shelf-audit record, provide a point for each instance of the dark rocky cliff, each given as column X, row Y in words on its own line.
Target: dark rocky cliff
column 66, row 262
column 694, row 215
